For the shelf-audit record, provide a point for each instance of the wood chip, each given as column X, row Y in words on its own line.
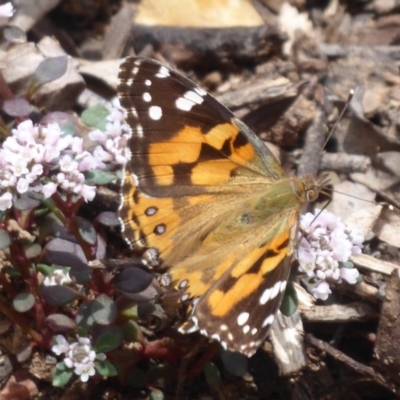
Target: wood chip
column 336, row 313
column 372, row 264
column 286, row 336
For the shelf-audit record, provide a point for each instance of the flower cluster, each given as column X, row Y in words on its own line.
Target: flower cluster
column 45, row 159
column 41, row 158
column 79, row 355
column 59, row 276
column 325, row 247
column 6, row 11
column 112, row 148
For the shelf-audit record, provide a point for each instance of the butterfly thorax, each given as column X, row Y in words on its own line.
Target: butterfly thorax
column 286, row 194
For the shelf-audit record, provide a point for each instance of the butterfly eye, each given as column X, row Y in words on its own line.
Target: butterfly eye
column 312, row 194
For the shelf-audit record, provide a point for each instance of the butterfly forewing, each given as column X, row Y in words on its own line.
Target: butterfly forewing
column 207, row 194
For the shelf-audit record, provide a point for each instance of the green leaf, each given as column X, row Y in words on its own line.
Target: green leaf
column 107, row 342
column 86, row 230
column 84, row 317
column 99, row 177
column 60, row 323
column 58, row 295
column 14, row 34
column 45, row 269
column 62, row 377
column 235, row 363
column 212, row 375
column 108, row 218
column 96, row 117
column 105, row 368
column 61, row 366
column 156, row 394
column 104, row 310
column 50, row 69
column 16, row 107
column 289, row 302
column 5, row 239
column 32, row 250
column 132, row 332
column 23, row 302
column 47, row 71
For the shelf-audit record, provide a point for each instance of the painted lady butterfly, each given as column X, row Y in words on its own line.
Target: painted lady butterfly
column 204, row 191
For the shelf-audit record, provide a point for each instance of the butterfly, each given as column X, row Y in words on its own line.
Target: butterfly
column 207, row 195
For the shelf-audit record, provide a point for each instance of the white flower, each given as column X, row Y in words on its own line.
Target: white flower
column 321, row 291
column 86, row 162
column 350, row 275
column 78, row 355
column 61, row 346
column 88, row 192
column 5, row 201
column 22, row 185
column 325, row 245
column 85, row 371
column 58, row 277
column 98, row 136
column 112, row 147
column 49, row 189
column 19, row 166
column 68, row 164
column 6, row 10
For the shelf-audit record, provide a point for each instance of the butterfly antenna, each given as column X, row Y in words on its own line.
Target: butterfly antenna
column 346, row 106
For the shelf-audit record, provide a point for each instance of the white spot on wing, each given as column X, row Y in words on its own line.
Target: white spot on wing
column 276, row 289
column 265, row 296
column 192, row 329
column 200, row 91
column 242, row 318
column 147, row 82
column 230, row 336
column 223, row 327
column 184, row 297
column 135, row 179
column 272, row 292
column 204, row 332
column 147, row 97
column 155, row 113
column 183, row 284
column 254, row 331
column 215, row 336
column 160, row 229
column 139, row 130
column 190, row 99
column 122, row 225
column 193, row 96
column 163, row 72
column 132, row 111
column 183, row 104
column 268, row 321
column 246, row 329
